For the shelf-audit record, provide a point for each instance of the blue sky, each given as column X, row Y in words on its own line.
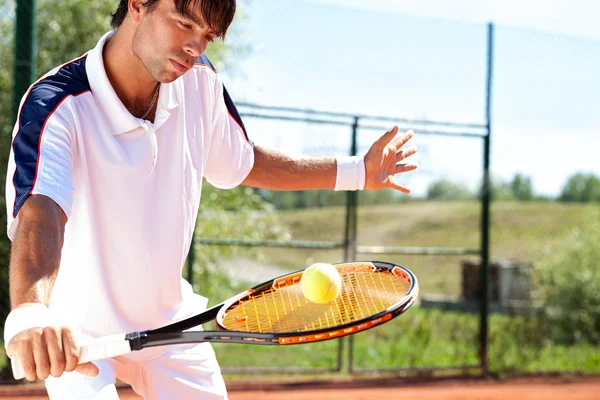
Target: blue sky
column 426, row 59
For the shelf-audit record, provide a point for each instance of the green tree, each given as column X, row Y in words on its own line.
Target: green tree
column 69, row 28
column 501, row 190
column 445, row 189
column 569, row 278
column 240, row 213
column 522, row 188
column 581, row 187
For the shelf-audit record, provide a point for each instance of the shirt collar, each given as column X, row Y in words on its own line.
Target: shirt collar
column 118, row 117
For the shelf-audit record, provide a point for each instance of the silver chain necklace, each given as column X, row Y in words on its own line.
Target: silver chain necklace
column 153, row 101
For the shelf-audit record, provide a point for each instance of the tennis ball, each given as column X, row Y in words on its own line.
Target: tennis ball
column 321, row 283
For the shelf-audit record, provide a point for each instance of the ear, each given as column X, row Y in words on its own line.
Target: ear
column 136, row 9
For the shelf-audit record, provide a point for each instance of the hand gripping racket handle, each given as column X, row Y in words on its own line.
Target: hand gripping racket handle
column 99, row 349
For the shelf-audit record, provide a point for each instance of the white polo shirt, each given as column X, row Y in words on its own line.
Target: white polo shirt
column 130, row 188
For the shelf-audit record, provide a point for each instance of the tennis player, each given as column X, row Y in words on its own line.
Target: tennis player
column 103, row 188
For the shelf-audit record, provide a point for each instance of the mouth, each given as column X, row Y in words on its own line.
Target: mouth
column 179, row 66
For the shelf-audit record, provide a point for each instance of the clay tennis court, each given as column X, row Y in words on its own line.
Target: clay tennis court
column 516, row 389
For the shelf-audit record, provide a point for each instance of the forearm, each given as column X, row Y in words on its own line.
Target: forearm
column 36, row 249
column 277, row 171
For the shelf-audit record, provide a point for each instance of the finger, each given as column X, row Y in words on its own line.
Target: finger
column 405, row 153
column 401, row 140
column 12, row 350
column 55, row 351
column 396, row 186
column 70, row 349
column 40, row 355
column 405, row 168
column 88, row 369
column 24, row 353
column 386, row 138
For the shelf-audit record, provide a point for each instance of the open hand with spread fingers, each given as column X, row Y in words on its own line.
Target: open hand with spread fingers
column 385, row 159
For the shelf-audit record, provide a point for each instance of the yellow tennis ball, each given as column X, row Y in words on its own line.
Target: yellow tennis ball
column 321, row 283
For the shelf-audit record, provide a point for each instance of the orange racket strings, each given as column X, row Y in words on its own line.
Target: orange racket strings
column 284, row 309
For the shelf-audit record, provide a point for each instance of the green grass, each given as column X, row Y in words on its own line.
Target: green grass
column 411, row 340
column 429, row 338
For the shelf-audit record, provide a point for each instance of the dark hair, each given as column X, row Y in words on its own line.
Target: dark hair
column 217, row 14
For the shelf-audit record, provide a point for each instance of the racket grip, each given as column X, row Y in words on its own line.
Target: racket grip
column 99, row 349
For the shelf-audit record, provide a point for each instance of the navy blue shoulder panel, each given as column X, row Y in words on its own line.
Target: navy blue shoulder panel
column 42, row 100
column 228, row 101
column 203, row 59
column 234, row 112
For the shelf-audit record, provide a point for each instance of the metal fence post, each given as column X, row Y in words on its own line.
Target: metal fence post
column 351, row 228
column 191, row 259
column 485, row 214
column 25, row 50
column 351, row 205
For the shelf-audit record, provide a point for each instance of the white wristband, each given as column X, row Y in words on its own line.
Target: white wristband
column 25, row 317
column 350, row 173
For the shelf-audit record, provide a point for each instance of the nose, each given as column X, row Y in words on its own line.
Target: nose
column 195, row 48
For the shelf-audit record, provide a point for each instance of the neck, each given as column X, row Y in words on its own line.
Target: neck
column 130, row 79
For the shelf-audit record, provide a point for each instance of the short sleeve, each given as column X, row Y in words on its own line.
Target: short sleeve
column 41, row 157
column 231, row 153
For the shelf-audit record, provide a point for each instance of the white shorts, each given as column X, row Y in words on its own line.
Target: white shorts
column 175, row 372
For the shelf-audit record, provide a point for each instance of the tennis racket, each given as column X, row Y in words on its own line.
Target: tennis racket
column 277, row 313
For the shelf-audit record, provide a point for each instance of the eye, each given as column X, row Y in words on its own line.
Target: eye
column 185, row 25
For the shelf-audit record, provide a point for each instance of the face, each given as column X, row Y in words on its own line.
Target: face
column 169, row 43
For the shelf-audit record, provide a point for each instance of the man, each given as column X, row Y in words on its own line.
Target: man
column 103, row 188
